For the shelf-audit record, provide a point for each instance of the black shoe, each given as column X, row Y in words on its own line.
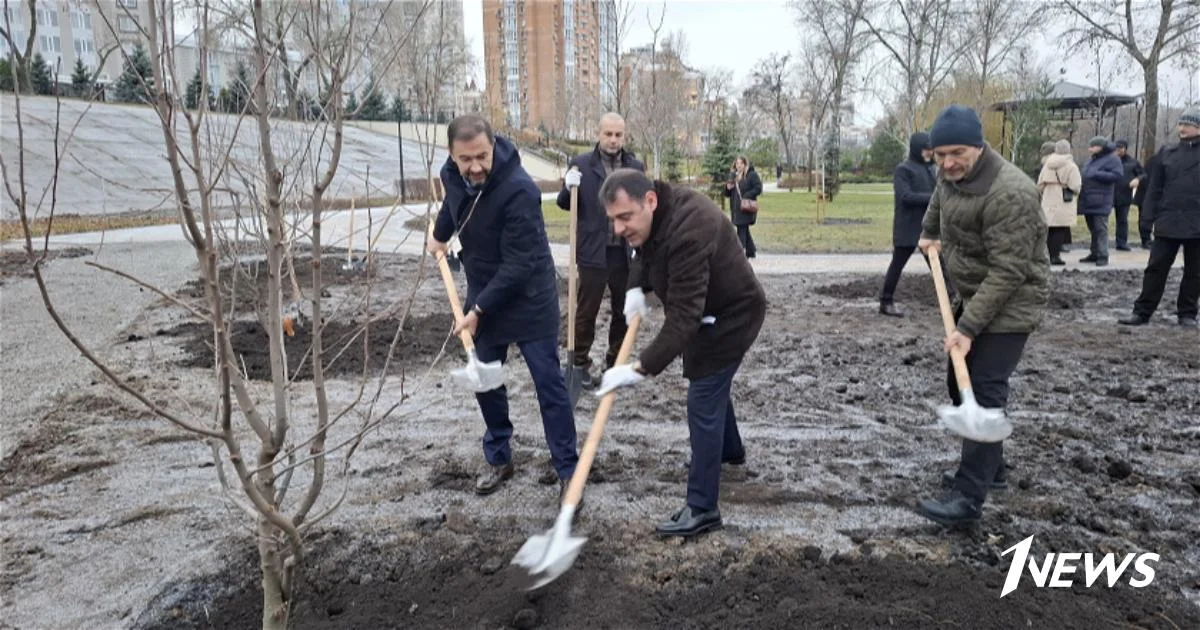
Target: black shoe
column 1134, row 320
column 1088, row 258
column 889, row 309
column 740, row 460
column 1187, row 322
column 999, row 483
column 1124, row 248
column 1146, row 245
column 1101, row 262
column 690, row 522
column 1057, row 262
column 952, row 510
column 586, row 378
column 493, row 479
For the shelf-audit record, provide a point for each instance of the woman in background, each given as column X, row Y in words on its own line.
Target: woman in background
column 1059, row 182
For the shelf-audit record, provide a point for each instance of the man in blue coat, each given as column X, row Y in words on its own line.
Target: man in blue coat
column 1100, row 177
column 601, row 255
column 495, row 210
column 913, row 183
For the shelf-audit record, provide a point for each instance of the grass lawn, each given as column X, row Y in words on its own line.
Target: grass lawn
column 860, row 220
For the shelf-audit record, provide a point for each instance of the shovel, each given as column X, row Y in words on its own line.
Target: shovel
column 549, row 555
column 574, row 373
column 968, row 420
column 477, row 376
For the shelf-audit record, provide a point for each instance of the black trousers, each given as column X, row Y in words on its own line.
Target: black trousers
column 1145, row 228
column 747, row 241
column 1122, row 225
column 592, row 283
column 713, row 434
column 1154, row 282
column 992, row 360
column 1056, row 237
column 900, row 256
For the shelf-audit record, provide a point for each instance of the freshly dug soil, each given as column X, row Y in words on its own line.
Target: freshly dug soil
column 835, row 406
column 469, row 584
column 15, row 264
column 422, row 337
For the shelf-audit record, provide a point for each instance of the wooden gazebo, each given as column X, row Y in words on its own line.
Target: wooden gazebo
column 1067, row 99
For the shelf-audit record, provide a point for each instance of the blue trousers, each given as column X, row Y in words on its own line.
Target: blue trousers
column 712, row 430
column 558, row 419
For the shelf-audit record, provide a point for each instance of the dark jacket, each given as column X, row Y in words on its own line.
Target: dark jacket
column 1173, row 200
column 696, row 265
column 913, row 182
column 993, row 234
column 1100, row 176
column 1139, row 196
column 505, row 252
column 1131, row 170
column 595, row 230
column 749, row 188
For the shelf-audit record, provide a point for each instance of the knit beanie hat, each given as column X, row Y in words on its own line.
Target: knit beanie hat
column 1190, row 117
column 1062, row 147
column 1122, row 144
column 957, row 125
column 1047, row 148
column 1098, row 141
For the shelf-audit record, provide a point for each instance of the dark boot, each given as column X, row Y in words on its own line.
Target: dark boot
column 1057, row 262
column 889, row 309
column 690, row 522
column 1187, row 322
column 1101, row 262
column 493, row 479
column 1134, row 320
column 953, row 510
column 999, row 483
column 1088, row 258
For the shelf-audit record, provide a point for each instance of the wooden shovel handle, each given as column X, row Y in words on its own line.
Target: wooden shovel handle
column 961, row 375
column 573, row 272
column 575, row 488
column 448, row 278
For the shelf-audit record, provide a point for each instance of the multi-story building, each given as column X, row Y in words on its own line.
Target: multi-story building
column 550, row 64
column 92, row 31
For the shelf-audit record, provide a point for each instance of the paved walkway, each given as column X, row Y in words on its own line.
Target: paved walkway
column 396, row 238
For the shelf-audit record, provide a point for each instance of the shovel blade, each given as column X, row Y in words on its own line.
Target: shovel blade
column 479, row 377
column 975, row 423
column 574, row 376
column 549, row 555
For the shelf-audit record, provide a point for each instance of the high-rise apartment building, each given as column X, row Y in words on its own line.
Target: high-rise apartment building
column 551, row 65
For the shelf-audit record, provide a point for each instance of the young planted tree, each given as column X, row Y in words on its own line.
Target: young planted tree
column 259, row 438
column 718, row 159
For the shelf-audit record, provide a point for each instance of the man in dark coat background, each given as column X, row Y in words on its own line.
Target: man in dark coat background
column 913, row 182
column 601, row 256
column 1173, row 207
column 1100, row 177
column 495, row 209
column 1123, row 195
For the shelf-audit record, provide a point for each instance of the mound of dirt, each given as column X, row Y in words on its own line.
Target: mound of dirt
column 911, row 289
column 458, row 582
column 14, row 263
column 421, row 338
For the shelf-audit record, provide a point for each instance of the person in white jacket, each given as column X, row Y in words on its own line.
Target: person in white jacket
column 1059, row 183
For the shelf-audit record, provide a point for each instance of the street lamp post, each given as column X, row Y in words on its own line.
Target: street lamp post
column 400, row 150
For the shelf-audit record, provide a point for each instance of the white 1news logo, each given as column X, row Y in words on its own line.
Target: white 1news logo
column 1058, row 565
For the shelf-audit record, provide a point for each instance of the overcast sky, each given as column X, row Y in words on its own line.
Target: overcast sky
column 735, row 33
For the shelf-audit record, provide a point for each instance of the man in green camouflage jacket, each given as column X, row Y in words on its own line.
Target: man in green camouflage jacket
column 985, row 217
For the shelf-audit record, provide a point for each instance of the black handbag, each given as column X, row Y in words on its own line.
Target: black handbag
column 1067, row 194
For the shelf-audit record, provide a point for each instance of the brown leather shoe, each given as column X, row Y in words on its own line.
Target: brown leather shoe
column 493, row 479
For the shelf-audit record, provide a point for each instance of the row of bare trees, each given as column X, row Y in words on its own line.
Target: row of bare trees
column 283, row 450
column 915, row 56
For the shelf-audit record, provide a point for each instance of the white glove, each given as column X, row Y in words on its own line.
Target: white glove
column 619, row 376
column 635, row 304
column 573, row 177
